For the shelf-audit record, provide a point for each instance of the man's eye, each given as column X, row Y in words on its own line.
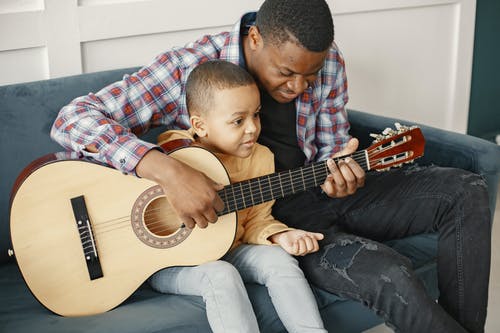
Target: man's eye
column 286, row 74
column 313, row 77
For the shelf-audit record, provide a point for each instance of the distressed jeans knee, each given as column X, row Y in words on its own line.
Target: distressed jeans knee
column 340, row 256
column 349, row 256
column 380, row 278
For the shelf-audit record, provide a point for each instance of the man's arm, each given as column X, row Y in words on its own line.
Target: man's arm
column 332, row 135
column 111, row 119
column 104, row 126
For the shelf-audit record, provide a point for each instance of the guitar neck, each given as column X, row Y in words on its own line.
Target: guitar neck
column 254, row 191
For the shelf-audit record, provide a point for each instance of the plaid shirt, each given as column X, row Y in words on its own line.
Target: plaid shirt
column 112, row 118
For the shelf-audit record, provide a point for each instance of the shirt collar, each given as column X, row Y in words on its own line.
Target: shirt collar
column 233, row 50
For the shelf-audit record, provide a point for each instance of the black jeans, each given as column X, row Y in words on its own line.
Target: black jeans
column 354, row 264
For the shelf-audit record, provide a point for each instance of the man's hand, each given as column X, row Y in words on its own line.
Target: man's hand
column 192, row 195
column 297, row 242
column 346, row 176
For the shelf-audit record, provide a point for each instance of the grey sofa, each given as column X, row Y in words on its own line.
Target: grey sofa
column 26, row 114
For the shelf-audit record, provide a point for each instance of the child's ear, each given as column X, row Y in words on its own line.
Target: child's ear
column 199, row 126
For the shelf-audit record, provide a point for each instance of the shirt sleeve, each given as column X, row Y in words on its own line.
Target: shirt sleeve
column 112, row 118
column 260, row 224
column 332, row 126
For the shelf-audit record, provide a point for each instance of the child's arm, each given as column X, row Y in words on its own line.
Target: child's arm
column 297, row 242
column 261, row 228
column 259, row 225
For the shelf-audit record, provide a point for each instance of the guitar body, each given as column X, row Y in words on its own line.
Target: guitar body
column 134, row 232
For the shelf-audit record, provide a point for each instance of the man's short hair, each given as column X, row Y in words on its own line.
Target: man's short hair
column 211, row 75
column 308, row 22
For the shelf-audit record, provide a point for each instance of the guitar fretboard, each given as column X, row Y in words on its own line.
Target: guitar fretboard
column 261, row 189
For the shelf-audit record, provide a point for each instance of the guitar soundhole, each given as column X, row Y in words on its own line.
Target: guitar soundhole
column 159, row 219
column 154, row 222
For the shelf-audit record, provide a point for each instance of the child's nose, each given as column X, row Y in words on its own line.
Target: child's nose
column 250, row 128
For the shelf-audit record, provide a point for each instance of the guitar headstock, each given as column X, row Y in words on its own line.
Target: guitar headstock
column 394, row 147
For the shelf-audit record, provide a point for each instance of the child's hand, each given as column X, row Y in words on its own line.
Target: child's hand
column 298, row 242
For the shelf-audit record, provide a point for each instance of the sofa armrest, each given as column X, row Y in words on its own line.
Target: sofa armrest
column 443, row 148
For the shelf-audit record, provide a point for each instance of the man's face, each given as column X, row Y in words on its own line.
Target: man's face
column 284, row 71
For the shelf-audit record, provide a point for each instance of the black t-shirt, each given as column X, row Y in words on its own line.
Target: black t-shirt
column 279, row 133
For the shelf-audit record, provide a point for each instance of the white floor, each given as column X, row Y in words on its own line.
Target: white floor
column 493, row 319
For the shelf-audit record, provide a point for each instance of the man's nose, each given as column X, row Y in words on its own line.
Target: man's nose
column 298, row 84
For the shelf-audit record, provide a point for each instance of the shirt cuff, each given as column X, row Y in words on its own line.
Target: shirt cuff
column 272, row 230
column 124, row 153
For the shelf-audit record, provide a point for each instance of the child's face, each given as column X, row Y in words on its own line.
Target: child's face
column 233, row 123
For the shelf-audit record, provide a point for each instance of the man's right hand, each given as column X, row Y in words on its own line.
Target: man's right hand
column 192, row 195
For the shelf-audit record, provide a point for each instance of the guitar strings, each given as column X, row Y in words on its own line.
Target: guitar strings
column 238, row 199
column 246, row 190
column 246, row 185
column 160, row 221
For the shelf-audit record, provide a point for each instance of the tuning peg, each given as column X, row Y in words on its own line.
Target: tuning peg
column 389, row 132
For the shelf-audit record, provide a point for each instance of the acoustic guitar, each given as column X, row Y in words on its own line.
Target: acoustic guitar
column 86, row 236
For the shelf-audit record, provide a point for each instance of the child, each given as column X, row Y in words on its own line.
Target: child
column 224, row 102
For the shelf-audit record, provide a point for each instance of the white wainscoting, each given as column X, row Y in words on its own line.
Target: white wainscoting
column 410, row 59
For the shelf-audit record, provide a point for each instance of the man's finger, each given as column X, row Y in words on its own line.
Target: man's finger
column 218, row 204
column 351, row 147
column 349, row 178
column 188, row 222
column 211, row 216
column 338, row 179
column 201, row 221
column 358, row 172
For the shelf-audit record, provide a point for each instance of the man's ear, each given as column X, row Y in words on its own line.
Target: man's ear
column 199, row 126
column 255, row 38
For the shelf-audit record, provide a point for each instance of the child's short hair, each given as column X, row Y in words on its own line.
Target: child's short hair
column 213, row 74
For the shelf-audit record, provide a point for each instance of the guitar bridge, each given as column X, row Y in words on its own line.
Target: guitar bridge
column 86, row 237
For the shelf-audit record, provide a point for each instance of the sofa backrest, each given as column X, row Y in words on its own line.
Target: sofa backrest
column 27, row 112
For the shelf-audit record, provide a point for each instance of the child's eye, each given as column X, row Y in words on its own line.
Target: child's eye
column 256, row 115
column 237, row 121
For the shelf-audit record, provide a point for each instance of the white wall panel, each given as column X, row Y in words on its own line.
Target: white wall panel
column 420, row 57
column 21, row 30
column 136, row 50
column 17, row 6
column 408, row 59
column 33, row 61
column 147, row 17
column 405, row 58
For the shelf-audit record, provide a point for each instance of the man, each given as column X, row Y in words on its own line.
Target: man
column 288, row 47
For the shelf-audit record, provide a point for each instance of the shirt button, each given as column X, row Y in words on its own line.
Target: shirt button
column 122, row 161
